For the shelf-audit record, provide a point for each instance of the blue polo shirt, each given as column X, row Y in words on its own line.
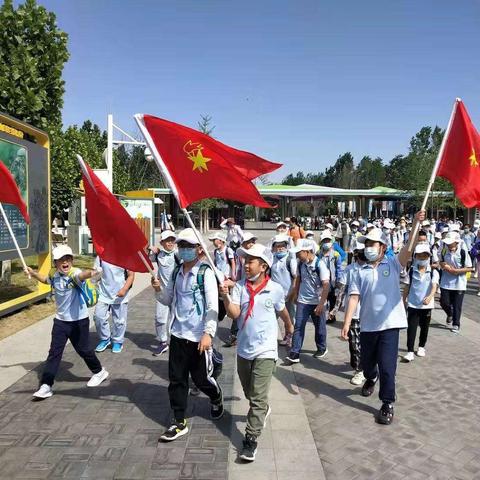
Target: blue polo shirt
column 379, row 289
column 450, row 281
column 70, row 305
column 311, row 277
column 283, row 270
column 421, row 287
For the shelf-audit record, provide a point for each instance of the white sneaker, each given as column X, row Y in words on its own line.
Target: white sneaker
column 358, row 378
column 409, row 357
column 478, row 294
column 97, row 378
column 421, row 352
column 45, row 391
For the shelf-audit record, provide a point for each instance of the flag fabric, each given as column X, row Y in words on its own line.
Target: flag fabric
column 460, row 161
column 197, row 166
column 10, row 193
column 116, row 237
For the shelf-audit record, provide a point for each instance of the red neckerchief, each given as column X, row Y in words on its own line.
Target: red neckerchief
column 252, row 292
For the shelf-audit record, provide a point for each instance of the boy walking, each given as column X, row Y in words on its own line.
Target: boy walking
column 71, row 320
column 113, row 290
column 192, row 291
column 255, row 304
column 311, row 291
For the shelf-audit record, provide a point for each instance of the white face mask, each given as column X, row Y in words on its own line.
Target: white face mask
column 255, row 277
column 371, row 253
column 422, row 263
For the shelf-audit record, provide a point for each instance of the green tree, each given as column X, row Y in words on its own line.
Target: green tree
column 341, row 174
column 33, row 52
column 370, row 173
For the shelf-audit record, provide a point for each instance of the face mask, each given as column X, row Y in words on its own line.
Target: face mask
column 422, row 263
column 466, row 230
column 167, row 252
column 326, row 246
column 280, row 255
column 255, row 277
column 372, row 253
column 354, row 229
column 187, row 254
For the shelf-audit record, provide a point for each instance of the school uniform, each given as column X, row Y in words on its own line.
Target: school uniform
column 192, row 316
column 71, row 322
column 354, row 331
column 311, row 277
column 382, row 315
column 333, row 261
column 257, row 350
column 166, row 265
column 113, row 280
column 283, row 272
column 222, row 259
column 453, row 287
column 420, row 286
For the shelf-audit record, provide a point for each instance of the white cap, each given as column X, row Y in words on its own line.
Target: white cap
column 279, row 224
column 426, row 223
column 375, row 235
column 187, row 235
column 309, row 232
column 258, row 250
column 388, row 224
column 168, row 234
column 247, row 236
column 438, row 235
column 370, row 225
column 329, row 226
column 218, row 236
column 355, row 223
column 281, row 238
column 326, row 234
column 304, row 244
column 61, row 251
column 423, row 247
column 357, row 245
column 451, row 237
column 454, row 227
column 445, row 229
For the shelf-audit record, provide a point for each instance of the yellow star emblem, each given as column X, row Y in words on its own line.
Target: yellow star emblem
column 473, row 159
column 194, row 153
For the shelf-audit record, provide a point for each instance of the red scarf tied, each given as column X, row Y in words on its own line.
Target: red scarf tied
column 252, row 292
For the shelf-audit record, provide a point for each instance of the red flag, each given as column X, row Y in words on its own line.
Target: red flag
column 197, row 166
column 460, row 161
column 10, row 193
column 116, row 237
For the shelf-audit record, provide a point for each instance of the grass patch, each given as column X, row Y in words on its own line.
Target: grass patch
column 22, row 285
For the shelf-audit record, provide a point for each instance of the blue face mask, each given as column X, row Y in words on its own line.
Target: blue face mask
column 422, row 263
column 187, row 254
column 280, row 255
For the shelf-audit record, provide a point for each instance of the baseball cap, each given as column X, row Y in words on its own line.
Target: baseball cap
column 326, row 234
column 304, row 244
column 187, row 235
column 218, row 236
column 281, row 224
column 451, row 237
column 61, row 251
column 258, row 250
column 281, row 238
column 167, row 234
column 454, row 227
column 247, row 236
column 375, row 235
column 355, row 223
column 423, row 247
column 309, row 232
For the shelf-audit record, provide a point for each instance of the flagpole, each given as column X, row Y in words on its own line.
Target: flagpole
column 436, row 166
column 9, row 227
column 166, row 174
column 149, row 268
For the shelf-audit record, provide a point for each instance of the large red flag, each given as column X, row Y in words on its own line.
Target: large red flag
column 116, row 237
column 197, row 166
column 460, row 161
column 10, row 193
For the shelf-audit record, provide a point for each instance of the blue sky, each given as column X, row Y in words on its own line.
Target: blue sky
column 297, row 82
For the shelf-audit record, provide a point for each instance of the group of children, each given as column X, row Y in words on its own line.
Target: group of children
column 291, row 279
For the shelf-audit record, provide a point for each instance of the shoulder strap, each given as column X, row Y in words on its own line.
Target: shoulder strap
column 410, row 275
column 317, row 266
column 462, row 257
column 201, row 278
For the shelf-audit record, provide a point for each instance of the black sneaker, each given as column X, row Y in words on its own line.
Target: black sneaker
column 368, row 387
column 249, row 449
column 331, row 319
column 320, row 353
column 216, row 409
column 293, row 357
column 177, row 429
column 231, row 342
column 385, row 414
column 449, row 320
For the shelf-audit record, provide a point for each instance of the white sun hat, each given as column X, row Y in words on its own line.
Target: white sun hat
column 375, row 235
column 258, row 250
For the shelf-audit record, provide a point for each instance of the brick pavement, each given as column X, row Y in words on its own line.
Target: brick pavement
column 112, row 431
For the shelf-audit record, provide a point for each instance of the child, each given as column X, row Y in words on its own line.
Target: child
column 422, row 281
column 354, row 332
column 71, row 320
column 455, row 263
column 193, row 291
column 284, row 272
column 310, row 293
column 224, row 257
column 166, row 261
column 112, row 297
column 255, row 304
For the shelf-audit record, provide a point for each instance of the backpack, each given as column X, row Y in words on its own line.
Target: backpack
column 317, row 268
column 87, row 289
column 463, row 255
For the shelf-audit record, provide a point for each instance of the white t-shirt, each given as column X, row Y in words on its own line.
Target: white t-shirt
column 70, row 304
